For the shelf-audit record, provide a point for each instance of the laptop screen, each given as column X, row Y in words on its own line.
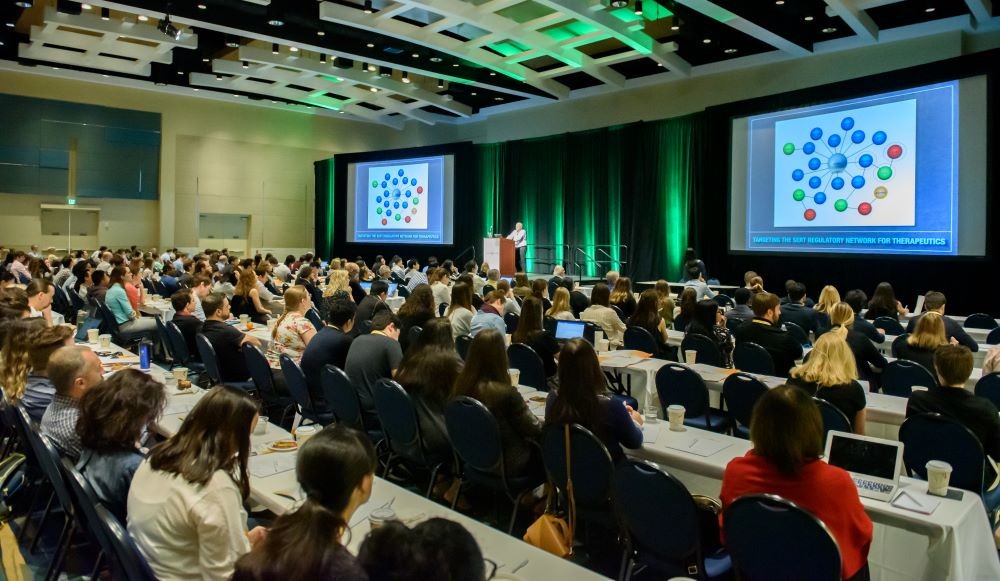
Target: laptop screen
column 569, row 329
column 863, row 456
column 392, row 289
column 367, row 286
column 509, row 279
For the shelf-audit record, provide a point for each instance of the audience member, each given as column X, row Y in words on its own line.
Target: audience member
column 621, row 297
column 201, row 286
column 531, row 332
column 72, row 371
column 688, row 300
column 522, row 286
column 790, row 285
column 611, row 278
column 697, row 282
column 130, row 325
column 934, row 302
column 870, row 361
column 460, row 311
column 991, row 363
column 418, row 309
column 828, row 297
column 691, row 262
column 441, row 286
column 370, row 306
column 646, row 316
column 578, row 301
column 920, row 346
column 540, row 290
column 600, row 313
column 558, row 274
column 329, row 346
column 764, row 331
column 858, row 301
column 183, row 303
column 354, row 282
column 711, row 323
column 291, row 334
column 511, row 306
column 741, row 311
column 413, row 275
column 665, row 302
column 884, row 304
column 26, row 353
column 561, row 308
column 40, row 294
column 226, row 340
column 246, row 298
column 308, row 278
column 830, row 372
column 371, row 357
column 795, row 311
column 434, row 549
column 488, row 316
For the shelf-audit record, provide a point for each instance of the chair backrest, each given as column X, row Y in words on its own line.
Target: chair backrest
column 760, row 530
column 76, row 300
column 590, row 331
column 899, row 377
column 524, row 359
column 442, row 308
column 889, row 325
column 129, row 561
column 640, row 339
column 413, row 336
column 398, row 417
column 161, row 333
column 402, row 291
column 109, row 324
column 980, row 321
column 993, row 338
column 733, row 323
column 61, row 304
column 178, row 345
column 298, row 387
column 988, row 386
column 897, row 342
column 618, row 311
column 740, row 392
column 84, row 503
column 797, row 332
column 46, row 456
column 208, row 357
column 260, row 372
column 708, row 351
column 475, row 435
column 313, row 315
column 723, row 300
column 681, row 385
column 511, row 320
column 487, row 289
column 341, row 396
column 657, row 511
column 930, row 436
column 462, row 343
column 833, row 418
column 590, row 463
column 752, row 358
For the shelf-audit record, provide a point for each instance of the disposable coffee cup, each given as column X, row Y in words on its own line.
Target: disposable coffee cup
column 380, row 516
column 515, row 376
column 92, row 335
column 690, row 356
column 603, row 345
column 303, row 433
column 169, row 379
column 261, row 426
column 675, row 415
column 938, row 476
column 244, row 319
column 181, row 373
column 598, row 337
column 105, row 341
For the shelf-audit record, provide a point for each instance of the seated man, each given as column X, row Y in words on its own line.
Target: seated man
column 858, row 301
column 370, row 305
column 741, row 311
column 787, row 299
column 372, row 357
column 227, row 340
column 187, row 323
column 953, row 366
column 934, row 301
column 697, row 282
column 558, row 275
column 329, row 346
column 73, row 370
column 796, row 311
column 489, row 315
column 764, row 331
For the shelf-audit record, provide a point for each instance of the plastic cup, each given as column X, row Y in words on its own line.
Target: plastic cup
column 690, row 356
column 181, row 373
column 603, row 345
column 261, row 426
column 303, row 433
column 598, row 337
column 244, row 319
column 675, row 415
column 92, row 335
column 380, row 516
column 652, row 414
column 105, row 341
column 169, row 379
column 515, row 376
column 938, row 476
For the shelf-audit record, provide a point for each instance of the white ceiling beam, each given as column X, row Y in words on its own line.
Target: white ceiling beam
column 864, row 5
column 982, row 10
column 36, row 51
column 748, row 27
column 137, row 30
column 95, row 45
column 856, row 18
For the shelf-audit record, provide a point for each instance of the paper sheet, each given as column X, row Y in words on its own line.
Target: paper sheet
column 650, row 432
column 264, row 465
column 911, row 499
column 699, row 445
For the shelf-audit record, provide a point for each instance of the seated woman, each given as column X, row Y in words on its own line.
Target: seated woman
column 460, row 312
column 646, row 316
column 485, row 378
column 828, row 297
column 335, row 470
column 225, row 283
column 600, row 313
column 292, row 332
column 28, row 345
column 418, row 310
column 522, row 287
column 870, row 362
column 185, row 505
column 437, row 549
column 666, row 302
column 530, row 332
column 621, row 297
column 338, row 287
column 114, row 415
column 884, row 304
column 246, row 298
column 540, row 290
column 830, row 373
column 582, row 398
column 685, row 314
column 130, row 324
column 927, row 336
column 787, row 435
column 561, row 308
column 710, row 322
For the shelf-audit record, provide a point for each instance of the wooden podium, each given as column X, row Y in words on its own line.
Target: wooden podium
column 499, row 254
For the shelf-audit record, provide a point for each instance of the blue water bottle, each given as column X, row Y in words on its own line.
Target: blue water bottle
column 144, row 362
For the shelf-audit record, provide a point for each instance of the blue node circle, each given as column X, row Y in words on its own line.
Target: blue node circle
column 395, row 205
column 837, row 161
column 866, row 160
column 814, row 182
column 395, row 181
column 404, row 205
column 809, row 148
column 879, row 137
column 408, row 193
column 833, row 140
column 385, row 193
column 385, row 184
column 413, row 181
column 386, row 203
column 816, row 133
column 378, row 199
column 388, row 213
column 858, row 136
column 837, row 183
column 814, row 163
column 405, row 180
column 387, row 176
column 847, row 123
column 798, row 174
column 401, row 173
column 820, row 198
column 858, row 182
column 395, row 193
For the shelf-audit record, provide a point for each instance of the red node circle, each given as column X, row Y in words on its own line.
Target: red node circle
column 810, row 214
column 420, row 189
column 407, row 219
column 864, row 208
column 384, row 221
column 894, row 151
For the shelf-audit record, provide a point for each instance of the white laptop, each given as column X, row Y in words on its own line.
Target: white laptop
column 874, row 463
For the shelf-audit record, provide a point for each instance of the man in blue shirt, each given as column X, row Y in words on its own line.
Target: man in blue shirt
column 489, row 316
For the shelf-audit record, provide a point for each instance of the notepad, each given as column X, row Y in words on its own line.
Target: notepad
column 910, row 499
column 177, row 407
column 264, row 465
column 699, row 445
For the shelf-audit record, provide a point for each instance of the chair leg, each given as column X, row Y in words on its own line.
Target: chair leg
column 35, row 491
column 41, row 524
column 430, row 485
column 454, row 501
column 96, row 573
column 62, row 547
column 513, row 512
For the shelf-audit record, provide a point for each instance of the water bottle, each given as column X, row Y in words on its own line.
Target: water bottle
column 144, row 356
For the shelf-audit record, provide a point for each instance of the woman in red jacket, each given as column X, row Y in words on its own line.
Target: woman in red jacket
column 787, row 435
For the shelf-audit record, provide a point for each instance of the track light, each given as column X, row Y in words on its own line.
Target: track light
column 368, row 6
column 371, row 68
column 385, row 72
column 232, row 41
column 105, row 14
column 293, row 48
column 276, row 13
column 322, row 58
column 638, row 7
column 167, row 28
column 406, row 77
column 440, row 83
column 619, row 3
column 274, row 48
column 24, row 4
column 246, row 65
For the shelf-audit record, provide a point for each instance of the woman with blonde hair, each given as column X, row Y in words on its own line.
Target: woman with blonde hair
column 927, row 336
column 830, row 373
column 828, row 297
column 560, row 308
column 621, row 297
column 26, row 351
column 665, row 302
column 338, row 287
column 246, row 298
column 293, row 331
column 866, row 355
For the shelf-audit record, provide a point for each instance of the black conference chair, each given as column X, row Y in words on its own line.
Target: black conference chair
column 833, row 418
column 524, row 359
column 993, row 338
column 752, row 358
column 263, row 378
column 398, row 417
column 442, row 308
column 161, row 334
column 590, row 332
column 179, row 350
column 708, row 351
column 618, row 311
column 678, row 384
column 988, row 386
column 47, row 456
column 740, row 392
column 896, row 344
column 889, row 325
column 640, row 339
column 761, row 528
column 211, row 363
column 109, row 325
column 661, row 520
column 313, row 315
column 76, row 302
column 980, row 321
column 475, row 435
column 413, row 336
column 61, row 305
column 899, row 377
column 724, row 301
column 930, row 436
column 591, row 468
column 298, row 387
column 511, row 320
column 733, row 324
column 341, row 397
column 797, row 333
column 462, row 343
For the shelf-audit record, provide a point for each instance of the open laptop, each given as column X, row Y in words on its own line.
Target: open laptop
column 392, row 289
column 367, row 285
column 874, row 464
column 569, row 329
column 509, row 279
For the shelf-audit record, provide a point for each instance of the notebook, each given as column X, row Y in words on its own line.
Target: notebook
column 569, row 329
column 874, row 463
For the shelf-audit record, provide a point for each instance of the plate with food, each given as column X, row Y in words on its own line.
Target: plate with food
column 537, row 398
column 283, row 446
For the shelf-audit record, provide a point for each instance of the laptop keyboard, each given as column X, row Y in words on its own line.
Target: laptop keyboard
column 863, row 484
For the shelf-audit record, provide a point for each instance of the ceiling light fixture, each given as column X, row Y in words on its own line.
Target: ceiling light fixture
column 473, row 93
column 24, row 4
column 830, row 30
column 435, row 59
column 276, row 13
column 143, row 18
column 293, row 49
column 232, row 41
column 707, row 41
column 320, row 33
column 86, row 6
column 205, row 59
column 406, row 77
column 371, row 68
column 930, row 7
column 105, row 14
column 202, row 7
column 373, row 89
column 168, row 28
column 415, row 55
column 729, row 51
column 498, row 98
column 370, row 45
column 638, row 7
column 676, row 24
column 808, row 18
column 619, row 3
column 368, row 6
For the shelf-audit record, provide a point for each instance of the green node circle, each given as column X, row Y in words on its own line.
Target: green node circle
column 398, row 217
column 884, row 172
column 416, row 201
column 840, row 205
column 798, row 195
column 378, row 210
column 788, row 149
column 374, row 184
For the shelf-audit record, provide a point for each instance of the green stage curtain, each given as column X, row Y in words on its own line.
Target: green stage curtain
column 324, row 207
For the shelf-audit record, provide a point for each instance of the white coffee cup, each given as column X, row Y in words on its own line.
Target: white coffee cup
column 303, row 433
column 92, row 336
column 244, row 319
column 919, row 388
column 603, row 345
column 938, row 476
column 261, row 426
column 598, row 337
column 690, row 356
column 181, row 373
column 515, row 376
column 105, row 341
column 675, row 415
